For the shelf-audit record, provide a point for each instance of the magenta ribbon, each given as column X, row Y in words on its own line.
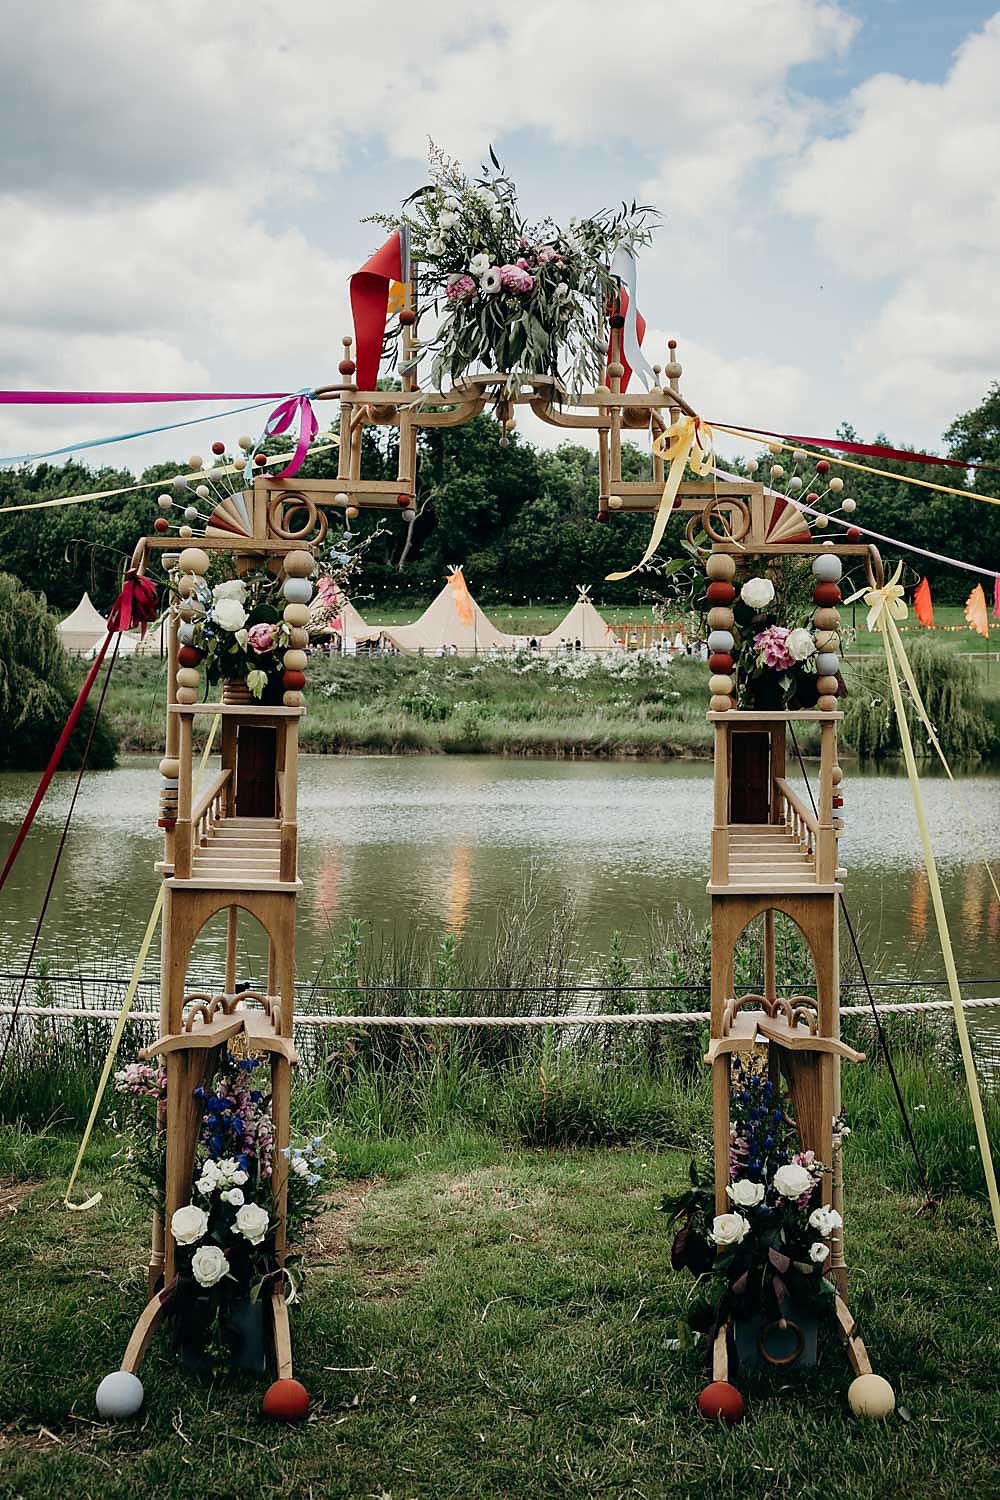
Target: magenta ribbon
column 283, row 417
column 124, row 398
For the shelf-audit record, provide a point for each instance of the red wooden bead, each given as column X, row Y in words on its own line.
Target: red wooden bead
column 854, row 533
column 720, row 592
column 286, row 1401
column 260, row 459
column 827, row 594
column 720, row 661
column 838, row 801
column 188, row 656
column 407, row 317
column 218, row 447
column 720, row 1400
column 822, row 467
column 293, row 681
column 402, row 501
column 347, row 367
column 671, row 343
column 161, row 524
column 603, row 517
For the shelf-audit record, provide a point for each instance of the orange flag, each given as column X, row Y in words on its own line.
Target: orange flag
column 463, row 599
column 922, row 606
column 975, row 612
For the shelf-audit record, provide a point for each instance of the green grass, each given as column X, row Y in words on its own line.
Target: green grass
column 483, row 1320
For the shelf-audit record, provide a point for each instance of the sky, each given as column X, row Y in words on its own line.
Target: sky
column 183, row 188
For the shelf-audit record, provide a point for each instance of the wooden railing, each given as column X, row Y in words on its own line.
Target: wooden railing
column 799, row 819
column 210, row 808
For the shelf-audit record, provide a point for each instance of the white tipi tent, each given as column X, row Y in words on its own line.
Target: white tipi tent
column 582, row 629
column 452, row 621
column 333, row 614
column 83, row 629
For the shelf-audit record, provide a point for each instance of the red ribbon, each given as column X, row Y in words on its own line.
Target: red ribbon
column 370, row 307
column 135, row 603
column 869, row 450
column 640, row 329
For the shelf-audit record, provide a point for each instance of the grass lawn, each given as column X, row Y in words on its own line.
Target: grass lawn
column 488, row 1321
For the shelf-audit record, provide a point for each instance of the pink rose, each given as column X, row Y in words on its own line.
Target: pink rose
column 772, row 646
column 515, row 279
column 260, row 638
column 522, row 263
column 462, row 286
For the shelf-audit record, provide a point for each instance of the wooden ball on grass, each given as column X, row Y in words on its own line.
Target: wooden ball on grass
column 871, row 1396
column 120, row 1395
column 286, row 1401
column 721, row 1402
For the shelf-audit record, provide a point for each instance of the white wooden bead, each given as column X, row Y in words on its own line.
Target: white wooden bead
column 719, row 684
column 297, row 590
column 187, row 677
column 295, row 661
column 720, row 640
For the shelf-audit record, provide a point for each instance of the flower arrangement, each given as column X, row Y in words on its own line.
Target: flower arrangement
column 517, row 297
column 770, row 1250
column 225, row 1234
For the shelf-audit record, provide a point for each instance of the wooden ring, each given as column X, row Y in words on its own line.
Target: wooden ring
column 716, row 505
column 786, row 1359
column 691, row 532
column 285, row 505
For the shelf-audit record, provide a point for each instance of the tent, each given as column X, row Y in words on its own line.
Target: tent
column 582, row 629
column 453, row 622
column 82, row 629
column 333, row 614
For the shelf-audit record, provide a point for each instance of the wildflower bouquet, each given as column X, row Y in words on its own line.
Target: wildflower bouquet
column 512, row 296
column 772, row 1247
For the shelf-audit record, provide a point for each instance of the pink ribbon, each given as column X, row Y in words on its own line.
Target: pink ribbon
column 125, row 398
column 283, row 417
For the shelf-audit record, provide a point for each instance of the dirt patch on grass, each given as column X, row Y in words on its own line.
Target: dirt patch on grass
column 330, row 1233
column 12, row 1195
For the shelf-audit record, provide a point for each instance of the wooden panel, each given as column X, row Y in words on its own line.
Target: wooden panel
column 256, row 769
column 750, row 776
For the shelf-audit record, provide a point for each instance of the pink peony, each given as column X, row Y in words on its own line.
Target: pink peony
column 773, row 648
column 545, row 254
column 260, row 638
column 462, row 286
column 516, row 280
column 522, row 263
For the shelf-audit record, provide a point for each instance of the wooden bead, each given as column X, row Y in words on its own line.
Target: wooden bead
column 827, row 686
column 187, row 695
column 298, row 638
column 720, row 661
column 826, row 619
column 188, row 656
column 352, row 512
column 170, row 768
column 194, row 560
column 292, row 699
column 826, row 640
column 827, row 593
column 720, row 592
column 827, row 704
column 719, row 685
column 720, row 618
column 187, row 584
column 293, row 680
column 296, row 614
column 191, row 609
column 161, row 524
column 838, row 775
column 299, row 564
column 871, row 1396
column 616, row 370
column 721, row 567
column 719, row 704
column 295, row 661
column 187, row 677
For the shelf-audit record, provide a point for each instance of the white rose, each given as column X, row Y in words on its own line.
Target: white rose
column 746, row 1193
column 792, row 1181
column 233, row 1196
column 233, row 588
column 757, row 593
column 207, row 1185
column 729, row 1229
column 489, row 282
column 229, row 614
column 252, row 1222
column 239, row 1177
column 187, row 1225
column 818, row 1252
column 435, row 245
column 825, row 1220
column 451, row 204
column 478, row 264
column 208, row 1265
column 447, row 220
column 799, row 644
column 486, row 198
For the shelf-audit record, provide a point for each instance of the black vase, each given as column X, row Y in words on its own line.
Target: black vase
column 762, row 1342
column 243, row 1330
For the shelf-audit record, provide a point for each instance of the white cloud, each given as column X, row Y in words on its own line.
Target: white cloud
column 909, row 194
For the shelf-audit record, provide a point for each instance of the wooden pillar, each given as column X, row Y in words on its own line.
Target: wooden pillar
column 720, row 821
column 232, row 920
column 182, row 839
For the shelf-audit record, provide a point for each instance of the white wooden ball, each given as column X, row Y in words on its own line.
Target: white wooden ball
column 341, row 498
column 203, row 492
column 799, row 455
column 720, row 640
column 777, row 472
column 849, row 505
column 194, row 560
column 871, row 1396
column 821, row 522
column 185, row 633
column 836, row 485
column 296, row 613
column 195, row 461
column 827, row 567
column 185, row 531
column 164, row 502
column 120, row 1394
column 297, row 590
column 827, row 663
column 246, row 443
column 615, row 502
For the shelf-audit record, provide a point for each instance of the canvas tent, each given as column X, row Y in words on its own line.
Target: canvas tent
column 583, row 628
column 351, row 627
column 452, row 622
column 333, row 614
column 82, row 629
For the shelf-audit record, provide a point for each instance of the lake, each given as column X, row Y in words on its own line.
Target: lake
column 435, row 844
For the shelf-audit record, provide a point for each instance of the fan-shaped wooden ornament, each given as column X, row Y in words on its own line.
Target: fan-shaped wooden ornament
column 231, row 517
column 783, row 522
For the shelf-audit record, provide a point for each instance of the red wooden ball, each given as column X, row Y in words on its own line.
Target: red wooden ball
column 838, row 801
column 260, row 459
column 286, row 1401
column 720, row 1400
column 827, row 594
column 854, row 533
column 293, row 681
column 720, row 592
column 218, row 447
column 160, row 524
column 402, row 501
column 407, row 317
column 671, row 343
column 822, row 467
column 347, row 367
column 188, row 656
column 604, row 517
column 720, row 661
column 617, row 320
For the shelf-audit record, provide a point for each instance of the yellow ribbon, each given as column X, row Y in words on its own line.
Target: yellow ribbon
column 884, row 603
column 887, row 599
column 688, row 440
column 123, row 1015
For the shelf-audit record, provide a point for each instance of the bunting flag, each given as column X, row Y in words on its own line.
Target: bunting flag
column 922, row 606
column 462, row 597
column 873, row 450
column 371, row 290
column 996, row 597
column 975, row 612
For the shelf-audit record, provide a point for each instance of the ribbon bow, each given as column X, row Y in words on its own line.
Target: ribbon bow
column 135, row 605
column 688, row 440
column 887, row 600
column 299, row 404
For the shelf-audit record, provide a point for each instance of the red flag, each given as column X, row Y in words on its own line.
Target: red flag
column 640, row 329
column 922, row 606
column 996, row 596
column 370, row 307
column 975, row 612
